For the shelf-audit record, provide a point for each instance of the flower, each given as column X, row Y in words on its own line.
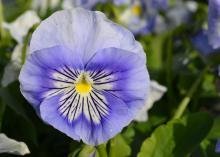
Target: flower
column 12, row 69
column 201, row 43
column 43, row 5
column 206, row 40
column 156, row 92
column 18, row 30
column 180, row 13
column 8, row 145
column 20, row 27
column 217, row 148
column 121, row 2
column 214, row 23
column 138, row 17
column 85, row 76
column 88, row 4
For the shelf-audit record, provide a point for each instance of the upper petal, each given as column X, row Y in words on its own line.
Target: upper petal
column 85, row 30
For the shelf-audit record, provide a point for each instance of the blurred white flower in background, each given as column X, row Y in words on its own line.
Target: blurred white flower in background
column 42, row 5
column 18, row 30
column 87, row 4
column 8, row 145
column 20, row 27
column 181, row 12
column 156, row 92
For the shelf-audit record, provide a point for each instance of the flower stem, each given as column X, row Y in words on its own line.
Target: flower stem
column 102, row 150
column 186, row 100
column 2, row 33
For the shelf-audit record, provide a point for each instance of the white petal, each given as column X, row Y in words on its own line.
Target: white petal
column 85, row 31
column 155, row 94
column 68, row 4
column 43, row 5
column 20, row 27
column 12, row 69
column 11, row 146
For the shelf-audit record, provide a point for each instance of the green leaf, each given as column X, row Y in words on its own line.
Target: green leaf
column 12, row 97
column 119, row 147
column 87, row 151
column 178, row 137
column 215, row 131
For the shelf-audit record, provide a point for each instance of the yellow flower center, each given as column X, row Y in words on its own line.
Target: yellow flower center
column 136, row 10
column 83, row 86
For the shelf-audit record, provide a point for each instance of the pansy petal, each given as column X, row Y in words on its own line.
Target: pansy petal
column 201, row 43
column 50, row 114
column 20, row 27
column 12, row 69
column 88, row 4
column 11, row 146
column 45, row 70
column 83, row 30
column 156, row 92
column 217, row 148
column 86, row 129
column 122, row 80
column 214, row 23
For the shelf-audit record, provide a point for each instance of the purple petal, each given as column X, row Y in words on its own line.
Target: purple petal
column 125, row 76
column 217, row 148
column 201, row 43
column 37, row 73
column 214, row 23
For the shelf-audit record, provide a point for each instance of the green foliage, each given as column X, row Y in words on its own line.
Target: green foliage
column 178, row 137
column 119, row 147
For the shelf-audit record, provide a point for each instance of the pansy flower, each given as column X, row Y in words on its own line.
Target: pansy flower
column 214, row 23
column 180, row 13
column 88, row 4
column 18, row 30
column 217, row 148
column 20, row 27
column 121, row 2
column 201, row 43
column 86, row 76
column 138, row 17
column 43, row 5
column 11, row 146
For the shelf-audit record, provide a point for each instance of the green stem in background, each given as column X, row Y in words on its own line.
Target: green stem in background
column 102, row 150
column 2, row 111
column 186, row 100
column 24, row 48
column 169, row 69
column 2, row 33
column 26, row 43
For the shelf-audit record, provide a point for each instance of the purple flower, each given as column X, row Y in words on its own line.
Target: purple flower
column 88, row 4
column 121, row 2
column 214, row 23
column 86, row 76
column 157, row 4
column 201, row 43
column 217, row 148
column 139, row 17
